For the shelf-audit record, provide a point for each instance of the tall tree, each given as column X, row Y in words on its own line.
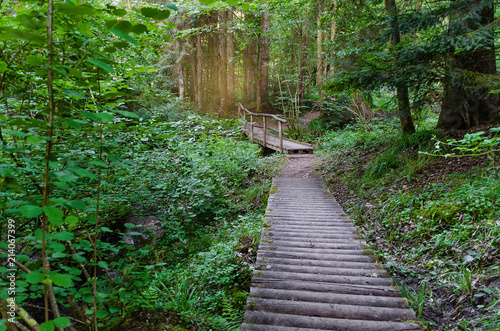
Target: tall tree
column 232, row 58
column 406, row 120
column 223, row 61
column 199, row 71
column 263, row 88
column 319, row 50
column 470, row 67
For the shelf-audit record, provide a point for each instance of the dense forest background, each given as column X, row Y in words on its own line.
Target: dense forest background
column 124, row 208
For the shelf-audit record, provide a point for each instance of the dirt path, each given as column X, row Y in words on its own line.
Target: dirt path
column 300, row 166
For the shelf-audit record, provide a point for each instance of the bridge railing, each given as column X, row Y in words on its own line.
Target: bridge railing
column 242, row 113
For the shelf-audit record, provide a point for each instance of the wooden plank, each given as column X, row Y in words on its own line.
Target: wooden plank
column 321, row 323
column 334, row 298
column 312, row 272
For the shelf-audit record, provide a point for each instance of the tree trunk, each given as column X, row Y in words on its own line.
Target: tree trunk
column 302, row 64
column 263, row 95
column 231, row 66
column 466, row 101
column 319, row 65
column 406, row 120
column 333, row 35
column 180, row 71
column 199, row 71
column 223, row 61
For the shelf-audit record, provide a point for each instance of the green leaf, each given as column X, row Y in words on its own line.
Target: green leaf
column 59, row 255
column 62, row 185
column 63, row 235
column 172, row 6
column 130, row 225
column 110, row 24
column 125, row 36
column 35, row 60
column 47, row 326
column 119, row 12
column 4, row 171
column 102, row 314
column 102, row 264
column 62, row 322
column 54, row 215
column 84, row 173
column 72, row 93
column 3, row 66
column 62, row 280
column 35, row 277
column 102, row 65
column 17, row 133
column 72, row 9
column 128, row 114
column 57, row 246
column 31, row 211
column 34, row 140
column 155, row 13
column 100, row 163
column 124, row 26
column 139, row 28
column 105, row 117
column 79, row 258
column 149, row 12
column 77, row 204
column 72, row 219
column 72, row 123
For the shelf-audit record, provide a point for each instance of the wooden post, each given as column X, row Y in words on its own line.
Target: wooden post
column 241, row 115
column 281, row 136
column 251, row 128
column 265, row 131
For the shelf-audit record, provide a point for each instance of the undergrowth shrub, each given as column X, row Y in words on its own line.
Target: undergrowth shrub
column 435, row 228
column 203, row 187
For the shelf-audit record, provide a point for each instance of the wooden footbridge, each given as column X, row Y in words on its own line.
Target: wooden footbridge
column 312, row 272
column 269, row 137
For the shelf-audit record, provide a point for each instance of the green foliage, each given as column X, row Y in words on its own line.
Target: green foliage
column 433, row 37
column 104, row 162
column 208, row 286
column 437, row 232
column 472, row 145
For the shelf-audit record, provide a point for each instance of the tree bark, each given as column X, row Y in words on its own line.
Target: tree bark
column 250, row 65
column 302, row 64
column 199, row 71
column 263, row 95
column 180, row 70
column 223, row 62
column 466, row 99
column 407, row 126
column 333, row 35
column 319, row 64
column 231, row 65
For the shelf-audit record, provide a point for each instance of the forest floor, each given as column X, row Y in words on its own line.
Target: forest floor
column 444, row 307
column 300, row 166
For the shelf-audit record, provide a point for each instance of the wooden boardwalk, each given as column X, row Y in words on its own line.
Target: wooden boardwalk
column 273, row 142
column 312, row 272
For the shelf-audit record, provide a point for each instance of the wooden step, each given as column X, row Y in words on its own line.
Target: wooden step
column 272, row 321
column 334, row 298
column 317, row 286
column 312, row 272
